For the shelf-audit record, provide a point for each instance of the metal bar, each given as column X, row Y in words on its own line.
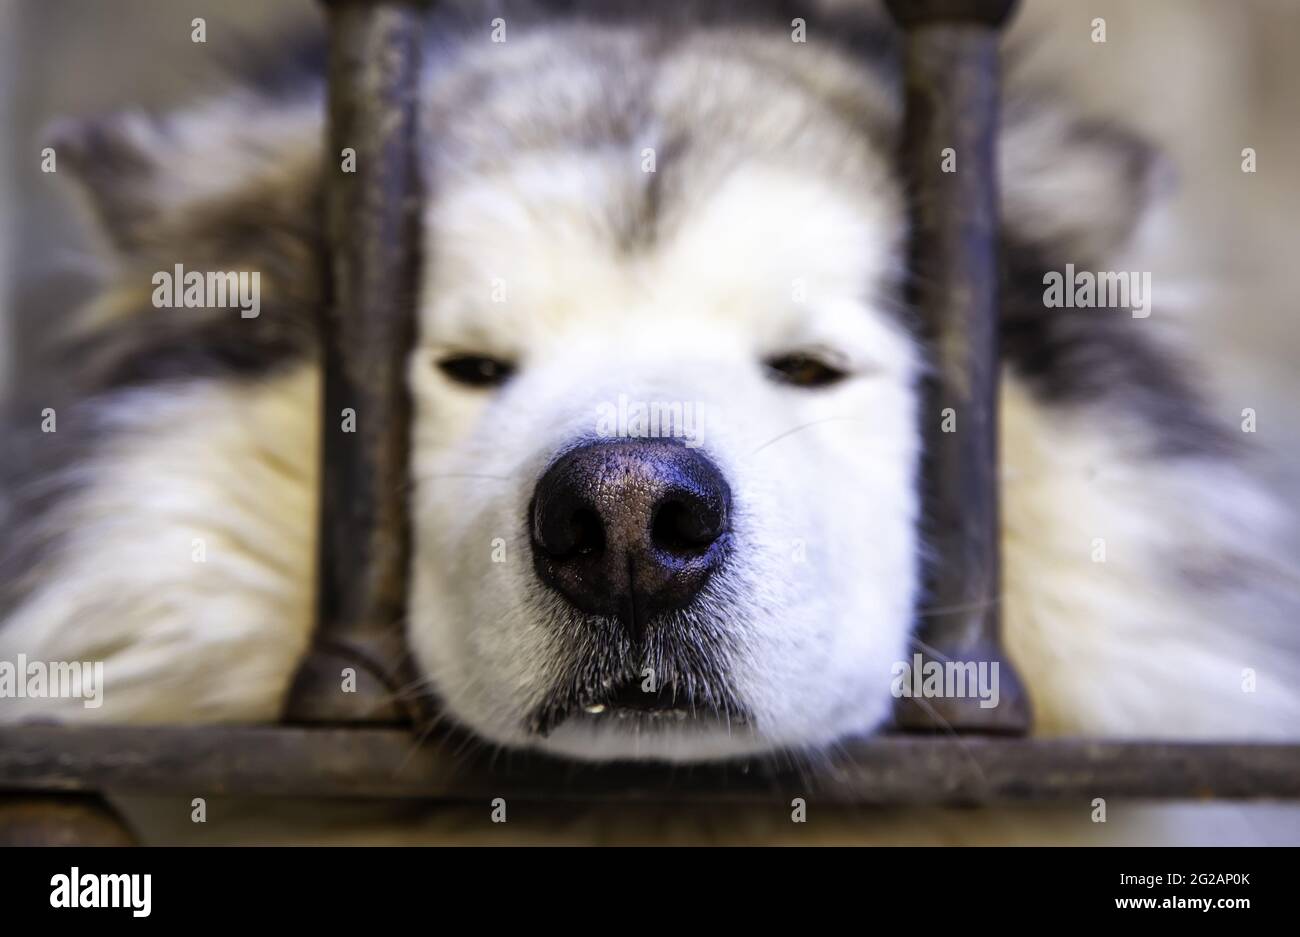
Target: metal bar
column 372, row 208
column 951, row 79
column 898, row 769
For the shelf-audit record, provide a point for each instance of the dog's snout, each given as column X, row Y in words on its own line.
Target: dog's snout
column 630, row 528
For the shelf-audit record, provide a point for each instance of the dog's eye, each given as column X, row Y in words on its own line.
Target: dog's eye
column 804, row 369
column 476, row 370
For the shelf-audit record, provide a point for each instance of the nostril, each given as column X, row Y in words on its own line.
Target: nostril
column 681, row 526
column 566, row 531
column 588, row 533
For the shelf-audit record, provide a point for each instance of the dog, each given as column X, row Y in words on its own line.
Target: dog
column 668, row 418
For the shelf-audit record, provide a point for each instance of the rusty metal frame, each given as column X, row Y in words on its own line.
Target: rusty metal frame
column 951, row 90
column 355, row 745
column 359, row 762
column 368, row 327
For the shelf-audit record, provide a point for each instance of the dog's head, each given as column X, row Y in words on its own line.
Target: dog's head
column 666, row 430
column 665, row 442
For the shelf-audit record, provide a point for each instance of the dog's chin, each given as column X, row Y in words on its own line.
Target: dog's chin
column 597, row 707
column 686, row 738
column 621, row 719
column 627, row 727
column 607, row 731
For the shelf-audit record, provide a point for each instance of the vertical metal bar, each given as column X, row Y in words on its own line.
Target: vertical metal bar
column 951, row 74
column 372, row 214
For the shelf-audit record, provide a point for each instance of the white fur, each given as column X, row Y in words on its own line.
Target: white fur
column 199, row 469
column 1135, row 641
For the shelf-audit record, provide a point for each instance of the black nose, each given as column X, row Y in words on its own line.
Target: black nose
column 630, row 528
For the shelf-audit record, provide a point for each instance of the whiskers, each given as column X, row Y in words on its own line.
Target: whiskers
column 927, row 648
column 939, row 611
column 803, row 426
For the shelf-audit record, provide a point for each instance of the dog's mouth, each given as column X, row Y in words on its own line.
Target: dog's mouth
column 635, row 703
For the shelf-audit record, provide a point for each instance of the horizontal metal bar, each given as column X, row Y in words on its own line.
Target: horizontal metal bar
column 350, row 762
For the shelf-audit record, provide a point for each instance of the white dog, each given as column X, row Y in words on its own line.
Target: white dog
column 667, row 428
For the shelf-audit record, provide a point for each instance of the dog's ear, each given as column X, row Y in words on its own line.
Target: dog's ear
column 1077, row 188
column 233, row 185
column 153, row 181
